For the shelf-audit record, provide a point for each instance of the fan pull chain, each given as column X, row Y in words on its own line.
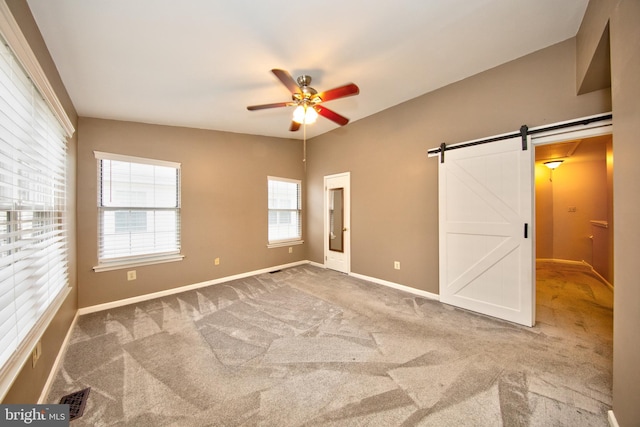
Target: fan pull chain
column 304, row 144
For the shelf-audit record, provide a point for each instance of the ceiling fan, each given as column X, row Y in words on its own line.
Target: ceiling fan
column 307, row 100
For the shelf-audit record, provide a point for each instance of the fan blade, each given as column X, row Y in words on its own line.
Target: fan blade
column 287, row 80
column 294, row 126
column 331, row 115
column 274, row 105
column 339, row 92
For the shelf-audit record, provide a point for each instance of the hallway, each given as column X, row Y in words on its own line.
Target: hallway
column 576, row 307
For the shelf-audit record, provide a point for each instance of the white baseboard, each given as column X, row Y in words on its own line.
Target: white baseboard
column 146, row 297
column 56, row 363
column 398, row 286
column 393, row 285
column 564, row 261
column 316, row 264
column 605, row 281
column 612, row 420
column 140, row 298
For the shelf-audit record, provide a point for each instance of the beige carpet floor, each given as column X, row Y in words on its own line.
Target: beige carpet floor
column 313, row 347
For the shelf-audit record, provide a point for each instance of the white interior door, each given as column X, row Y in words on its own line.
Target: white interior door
column 486, row 235
column 337, row 222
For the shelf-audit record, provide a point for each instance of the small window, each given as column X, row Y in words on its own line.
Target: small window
column 138, row 211
column 285, row 211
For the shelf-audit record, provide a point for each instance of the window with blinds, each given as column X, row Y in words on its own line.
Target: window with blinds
column 285, row 211
column 138, row 211
column 33, row 241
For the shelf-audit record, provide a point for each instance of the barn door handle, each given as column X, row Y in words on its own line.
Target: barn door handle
column 526, row 230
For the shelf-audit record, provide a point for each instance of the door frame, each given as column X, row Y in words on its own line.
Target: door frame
column 599, row 128
column 602, row 127
column 347, row 219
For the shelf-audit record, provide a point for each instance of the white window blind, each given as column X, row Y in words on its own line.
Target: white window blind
column 33, row 243
column 138, row 210
column 285, row 210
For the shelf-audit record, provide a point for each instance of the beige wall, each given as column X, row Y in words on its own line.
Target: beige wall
column 625, row 69
column 609, row 274
column 29, row 384
column 620, row 17
column 544, row 212
column 394, row 186
column 581, row 183
column 593, row 52
column 224, row 204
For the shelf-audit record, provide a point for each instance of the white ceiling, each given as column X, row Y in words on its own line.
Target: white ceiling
column 199, row 63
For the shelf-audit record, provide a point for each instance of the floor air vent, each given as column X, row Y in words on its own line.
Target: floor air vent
column 76, row 402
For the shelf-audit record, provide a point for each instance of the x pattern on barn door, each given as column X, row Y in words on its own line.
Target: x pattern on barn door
column 486, row 258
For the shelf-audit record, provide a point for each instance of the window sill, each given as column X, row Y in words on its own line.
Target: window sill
column 284, row 243
column 138, row 263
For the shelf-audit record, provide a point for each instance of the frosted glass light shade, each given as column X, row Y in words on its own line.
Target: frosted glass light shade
column 553, row 164
column 304, row 114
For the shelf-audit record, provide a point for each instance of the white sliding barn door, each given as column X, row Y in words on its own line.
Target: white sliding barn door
column 485, row 206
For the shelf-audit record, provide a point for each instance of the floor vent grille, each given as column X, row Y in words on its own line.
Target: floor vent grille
column 76, row 402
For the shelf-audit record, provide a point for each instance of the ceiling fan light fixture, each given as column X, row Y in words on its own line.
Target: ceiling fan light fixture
column 307, row 100
column 304, row 114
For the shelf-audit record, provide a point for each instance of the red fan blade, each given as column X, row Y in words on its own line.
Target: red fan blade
column 294, row 126
column 339, row 92
column 331, row 115
column 287, row 80
column 274, row 105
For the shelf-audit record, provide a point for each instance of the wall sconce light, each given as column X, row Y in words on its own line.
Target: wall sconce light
column 304, row 114
column 552, row 164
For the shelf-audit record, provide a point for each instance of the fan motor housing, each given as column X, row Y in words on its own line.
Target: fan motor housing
column 307, row 93
column 303, row 80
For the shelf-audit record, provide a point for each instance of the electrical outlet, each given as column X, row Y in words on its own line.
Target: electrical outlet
column 131, row 275
column 396, row 265
column 35, row 355
column 290, row 250
column 572, row 209
column 216, row 261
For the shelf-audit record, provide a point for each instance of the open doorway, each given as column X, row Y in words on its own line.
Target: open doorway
column 574, row 203
column 574, row 249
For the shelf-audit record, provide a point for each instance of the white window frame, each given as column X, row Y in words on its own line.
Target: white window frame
column 18, row 45
column 275, row 243
column 12, row 34
column 128, row 261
